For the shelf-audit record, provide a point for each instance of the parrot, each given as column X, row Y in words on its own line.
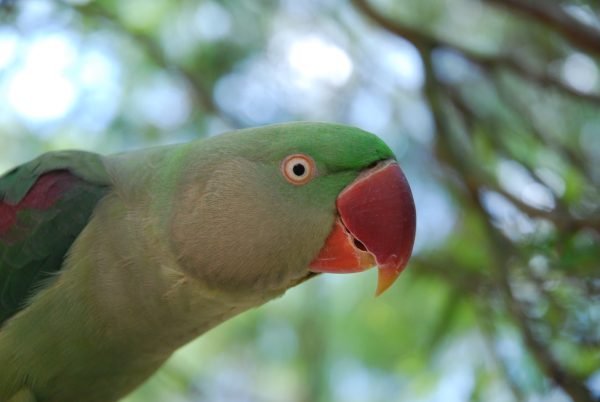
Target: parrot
column 110, row 263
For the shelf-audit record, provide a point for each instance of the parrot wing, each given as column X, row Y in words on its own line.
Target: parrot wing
column 44, row 205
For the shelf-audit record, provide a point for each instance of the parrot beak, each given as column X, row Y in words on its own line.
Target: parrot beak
column 376, row 226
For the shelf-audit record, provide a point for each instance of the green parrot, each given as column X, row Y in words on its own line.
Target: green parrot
column 108, row 264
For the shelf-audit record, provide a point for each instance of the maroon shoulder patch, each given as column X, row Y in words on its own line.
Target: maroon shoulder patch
column 41, row 196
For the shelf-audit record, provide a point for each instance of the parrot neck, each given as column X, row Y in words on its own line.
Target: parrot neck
column 119, row 309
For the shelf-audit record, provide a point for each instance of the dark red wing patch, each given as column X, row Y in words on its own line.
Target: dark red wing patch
column 44, row 206
column 44, row 193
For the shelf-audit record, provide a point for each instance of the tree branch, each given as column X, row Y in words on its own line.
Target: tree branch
column 200, row 94
column 498, row 247
column 559, row 216
column 556, row 18
column 485, row 61
column 529, row 119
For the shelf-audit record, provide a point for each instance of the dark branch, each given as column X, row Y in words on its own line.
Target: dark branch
column 556, row 18
column 498, row 246
column 201, row 95
column 485, row 61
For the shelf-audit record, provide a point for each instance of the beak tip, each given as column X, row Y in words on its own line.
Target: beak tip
column 386, row 278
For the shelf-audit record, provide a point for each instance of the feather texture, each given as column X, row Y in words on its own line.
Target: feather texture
column 109, row 264
column 44, row 205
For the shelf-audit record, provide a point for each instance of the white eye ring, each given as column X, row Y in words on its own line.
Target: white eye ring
column 298, row 169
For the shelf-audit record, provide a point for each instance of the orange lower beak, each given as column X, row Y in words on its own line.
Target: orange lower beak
column 376, row 226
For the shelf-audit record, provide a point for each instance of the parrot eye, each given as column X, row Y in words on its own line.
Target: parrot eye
column 298, row 169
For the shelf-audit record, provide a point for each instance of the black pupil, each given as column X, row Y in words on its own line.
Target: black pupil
column 299, row 169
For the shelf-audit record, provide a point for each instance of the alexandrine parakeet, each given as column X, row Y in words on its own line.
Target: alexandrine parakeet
column 108, row 264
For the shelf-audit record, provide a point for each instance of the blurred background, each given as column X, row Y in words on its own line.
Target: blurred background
column 492, row 109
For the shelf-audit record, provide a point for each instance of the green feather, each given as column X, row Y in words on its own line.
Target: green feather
column 35, row 247
column 161, row 245
column 88, row 166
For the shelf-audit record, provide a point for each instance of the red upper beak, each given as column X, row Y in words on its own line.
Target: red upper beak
column 376, row 226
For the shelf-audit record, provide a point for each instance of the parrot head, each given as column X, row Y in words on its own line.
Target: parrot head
column 263, row 209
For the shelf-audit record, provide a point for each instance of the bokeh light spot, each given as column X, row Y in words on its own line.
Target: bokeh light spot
column 314, row 60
